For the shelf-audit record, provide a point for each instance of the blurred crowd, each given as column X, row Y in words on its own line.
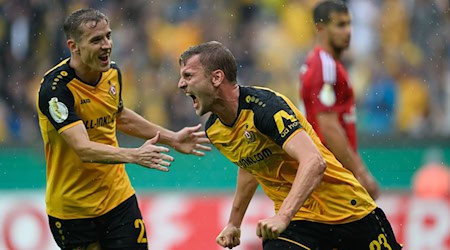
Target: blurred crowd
column 399, row 60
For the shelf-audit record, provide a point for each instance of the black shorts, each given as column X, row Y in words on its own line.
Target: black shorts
column 120, row 228
column 372, row 232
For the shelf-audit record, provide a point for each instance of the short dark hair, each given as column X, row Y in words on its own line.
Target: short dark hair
column 72, row 24
column 323, row 10
column 213, row 56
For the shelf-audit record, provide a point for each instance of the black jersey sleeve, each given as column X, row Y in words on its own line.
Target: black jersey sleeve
column 119, row 76
column 275, row 118
column 56, row 101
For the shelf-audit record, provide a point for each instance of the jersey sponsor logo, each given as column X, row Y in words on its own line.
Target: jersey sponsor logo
column 260, row 156
column 58, row 110
column 284, row 129
column 327, row 96
column 99, row 121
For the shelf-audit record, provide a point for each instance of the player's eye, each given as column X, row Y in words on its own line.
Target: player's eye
column 95, row 41
column 343, row 24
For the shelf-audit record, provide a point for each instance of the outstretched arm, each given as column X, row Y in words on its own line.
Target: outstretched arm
column 188, row 140
column 148, row 155
column 246, row 187
column 309, row 174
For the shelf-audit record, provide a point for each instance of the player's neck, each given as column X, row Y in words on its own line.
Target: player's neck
column 336, row 54
column 83, row 72
column 227, row 104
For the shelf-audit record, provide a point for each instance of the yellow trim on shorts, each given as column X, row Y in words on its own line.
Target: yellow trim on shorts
column 294, row 242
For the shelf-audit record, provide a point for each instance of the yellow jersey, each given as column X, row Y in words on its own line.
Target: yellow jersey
column 265, row 122
column 77, row 189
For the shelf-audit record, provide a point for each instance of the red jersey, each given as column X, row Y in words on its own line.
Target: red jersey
column 325, row 87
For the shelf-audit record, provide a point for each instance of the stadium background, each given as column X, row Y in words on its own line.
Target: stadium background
column 399, row 64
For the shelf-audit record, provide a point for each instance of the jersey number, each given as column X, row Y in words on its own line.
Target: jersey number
column 139, row 223
column 382, row 241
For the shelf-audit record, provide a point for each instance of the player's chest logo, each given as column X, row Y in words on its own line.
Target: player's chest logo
column 249, row 136
column 112, row 89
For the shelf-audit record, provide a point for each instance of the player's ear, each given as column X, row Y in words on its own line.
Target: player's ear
column 319, row 26
column 73, row 46
column 218, row 76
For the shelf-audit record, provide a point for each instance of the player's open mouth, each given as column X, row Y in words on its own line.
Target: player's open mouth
column 104, row 59
column 194, row 98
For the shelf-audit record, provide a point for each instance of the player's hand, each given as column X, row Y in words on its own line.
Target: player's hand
column 370, row 184
column 151, row 156
column 229, row 237
column 190, row 140
column 270, row 229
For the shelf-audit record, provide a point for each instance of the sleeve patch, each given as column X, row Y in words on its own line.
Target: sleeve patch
column 285, row 122
column 276, row 120
column 58, row 110
column 327, row 96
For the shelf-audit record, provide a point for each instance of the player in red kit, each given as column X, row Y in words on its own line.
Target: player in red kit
column 327, row 92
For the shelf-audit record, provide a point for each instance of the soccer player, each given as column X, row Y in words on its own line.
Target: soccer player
column 90, row 201
column 319, row 204
column 327, row 92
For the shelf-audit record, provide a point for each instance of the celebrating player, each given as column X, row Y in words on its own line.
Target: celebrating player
column 90, row 201
column 319, row 204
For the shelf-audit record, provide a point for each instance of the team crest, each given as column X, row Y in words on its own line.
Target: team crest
column 58, row 110
column 112, row 90
column 249, row 136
